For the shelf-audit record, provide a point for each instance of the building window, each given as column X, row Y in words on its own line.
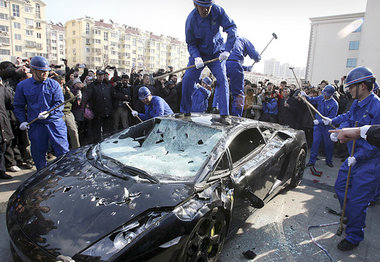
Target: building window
column 60, row 37
column 54, row 48
column 38, row 10
column 38, row 24
column 29, row 32
column 358, row 30
column 4, row 28
column 3, row 4
column 39, row 35
column 28, row 9
column 354, row 45
column 16, row 25
column 73, row 32
column 351, row 62
column 88, row 50
column 29, row 21
column 54, row 41
column 5, row 52
column 3, row 16
column 87, row 28
column 74, row 51
column 74, row 41
column 105, row 36
column 87, row 41
column 16, row 10
column 4, row 40
column 17, row 36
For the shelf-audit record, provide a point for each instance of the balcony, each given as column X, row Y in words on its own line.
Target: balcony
column 30, row 44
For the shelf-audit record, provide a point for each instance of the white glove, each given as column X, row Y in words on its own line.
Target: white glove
column 79, row 95
column 135, row 113
column 315, row 121
column 334, row 137
column 224, row 56
column 198, row 62
column 351, row 161
column 303, row 93
column 24, row 126
column 327, row 121
column 43, row 115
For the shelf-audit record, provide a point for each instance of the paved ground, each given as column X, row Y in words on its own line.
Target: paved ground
column 278, row 231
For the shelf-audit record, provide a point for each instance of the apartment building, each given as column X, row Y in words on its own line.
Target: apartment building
column 98, row 43
column 330, row 57
column 55, row 41
column 22, row 29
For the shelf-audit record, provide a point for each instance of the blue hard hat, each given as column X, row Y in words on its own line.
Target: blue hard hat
column 40, row 63
column 144, row 92
column 207, row 81
column 204, row 3
column 358, row 75
column 328, row 90
column 376, row 87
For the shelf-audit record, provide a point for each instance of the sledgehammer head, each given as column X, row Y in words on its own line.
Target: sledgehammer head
column 274, row 35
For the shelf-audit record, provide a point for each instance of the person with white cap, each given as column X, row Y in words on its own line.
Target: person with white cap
column 154, row 105
column 200, row 96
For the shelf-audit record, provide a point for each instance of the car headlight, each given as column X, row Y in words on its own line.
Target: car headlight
column 188, row 210
column 122, row 237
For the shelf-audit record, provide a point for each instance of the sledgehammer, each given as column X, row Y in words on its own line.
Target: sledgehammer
column 54, row 108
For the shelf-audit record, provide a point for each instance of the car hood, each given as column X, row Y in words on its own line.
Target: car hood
column 72, row 204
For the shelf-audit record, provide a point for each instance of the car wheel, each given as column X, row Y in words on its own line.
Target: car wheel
column 298, row 169
column 207, row 238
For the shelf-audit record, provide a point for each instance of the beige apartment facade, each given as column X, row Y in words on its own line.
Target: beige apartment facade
column 55, row 41
column 22, row 29
column 97, row 44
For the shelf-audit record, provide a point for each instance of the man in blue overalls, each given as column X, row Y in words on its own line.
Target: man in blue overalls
column 235, row 71
column 154, row 105
column 205, row 42
column 328, row 107
column 38, row 95
column 200, row 96
column 365, row 163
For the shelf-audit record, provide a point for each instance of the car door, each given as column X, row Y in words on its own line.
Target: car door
column 255, row 162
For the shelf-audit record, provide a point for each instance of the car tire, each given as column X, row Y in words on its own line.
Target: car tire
column 298, row 169
column 207, row 238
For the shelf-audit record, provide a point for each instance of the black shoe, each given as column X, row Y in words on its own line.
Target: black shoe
column 346, row 245
column 225, row 120
column 330, row 164
column 309, row 164
column 5, row 176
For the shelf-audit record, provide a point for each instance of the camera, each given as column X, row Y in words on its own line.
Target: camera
column 336, row 81
column 57, row 66
column 64, row 60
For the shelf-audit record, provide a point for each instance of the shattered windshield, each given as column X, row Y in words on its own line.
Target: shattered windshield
column 171, row 151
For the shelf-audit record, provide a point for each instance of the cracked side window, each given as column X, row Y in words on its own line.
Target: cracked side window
column 244, row 143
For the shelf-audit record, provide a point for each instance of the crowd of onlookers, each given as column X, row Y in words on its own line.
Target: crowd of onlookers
column 103, row 103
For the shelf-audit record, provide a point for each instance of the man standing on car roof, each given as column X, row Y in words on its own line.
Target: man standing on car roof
column 38, row 95
column 235, row 71
column 365, row 163
column 204, row 42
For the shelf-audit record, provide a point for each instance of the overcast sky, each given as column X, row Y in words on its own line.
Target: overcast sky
column 255, row 19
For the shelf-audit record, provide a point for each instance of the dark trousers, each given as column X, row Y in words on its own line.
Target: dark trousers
column 3, row 148
column 101, row 127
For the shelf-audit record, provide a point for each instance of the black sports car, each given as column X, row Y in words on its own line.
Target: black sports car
column 162, row 190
